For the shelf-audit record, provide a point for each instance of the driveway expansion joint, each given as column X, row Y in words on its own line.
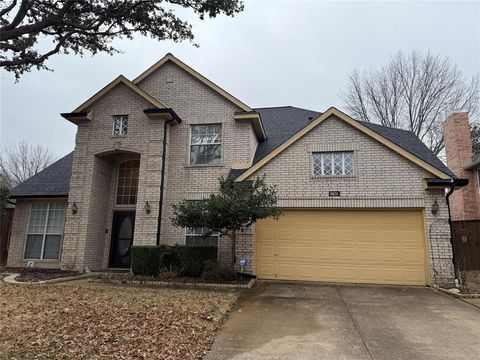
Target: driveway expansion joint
column 357, row 328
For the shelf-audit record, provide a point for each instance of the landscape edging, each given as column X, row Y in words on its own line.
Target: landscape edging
column 174, row 284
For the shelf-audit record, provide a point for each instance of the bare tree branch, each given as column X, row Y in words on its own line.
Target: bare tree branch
column 413, row 92
column 21, row 160
column 91, row 25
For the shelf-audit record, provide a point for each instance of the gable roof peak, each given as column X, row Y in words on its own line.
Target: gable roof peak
column 195, row 74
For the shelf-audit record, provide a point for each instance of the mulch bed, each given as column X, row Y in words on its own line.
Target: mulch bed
column 35, row 275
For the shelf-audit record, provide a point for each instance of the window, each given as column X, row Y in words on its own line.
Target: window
column 478, row 177
column 206, row 144
column 200, row 237
column 120, row 125
column 127, row 186
column 45, row 231
column 333, row 164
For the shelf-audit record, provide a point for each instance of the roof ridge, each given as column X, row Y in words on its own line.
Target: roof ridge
column 286, row 106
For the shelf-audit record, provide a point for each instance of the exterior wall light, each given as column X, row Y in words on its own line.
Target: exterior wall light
column 74, row 208
column 435, row 207
column 147, row 208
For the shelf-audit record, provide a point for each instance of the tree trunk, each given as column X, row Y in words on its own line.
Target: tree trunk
column 233, row 237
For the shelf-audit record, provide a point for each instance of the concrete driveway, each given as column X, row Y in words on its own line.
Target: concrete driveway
column 311, row 321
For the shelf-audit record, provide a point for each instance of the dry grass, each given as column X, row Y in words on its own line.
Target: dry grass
column 108, row 322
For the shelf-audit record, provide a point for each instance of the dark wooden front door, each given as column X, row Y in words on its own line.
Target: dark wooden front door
column 122, row 239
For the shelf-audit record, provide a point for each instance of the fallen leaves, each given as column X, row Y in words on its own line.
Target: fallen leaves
column 108, row 322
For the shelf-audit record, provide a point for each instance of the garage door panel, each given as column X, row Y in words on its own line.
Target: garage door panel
column 369, row 246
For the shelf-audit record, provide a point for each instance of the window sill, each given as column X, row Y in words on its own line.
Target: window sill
column 42, row 260
column 118, row 136
column 333, row 177
column 204, row 166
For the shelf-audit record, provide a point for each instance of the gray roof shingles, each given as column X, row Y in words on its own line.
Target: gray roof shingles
column 53, row 181
column 280, row 124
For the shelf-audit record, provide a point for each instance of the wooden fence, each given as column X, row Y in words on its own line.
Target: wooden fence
column 466, row 239
column 5, row 227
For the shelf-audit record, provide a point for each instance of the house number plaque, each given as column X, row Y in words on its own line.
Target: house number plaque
column 334, row 193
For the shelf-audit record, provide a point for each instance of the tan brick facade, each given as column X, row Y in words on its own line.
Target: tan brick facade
column 465, row 202
column 383, row 179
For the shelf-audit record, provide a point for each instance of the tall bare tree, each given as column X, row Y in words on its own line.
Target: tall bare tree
column 21, row 160
column 413, row 92
column 91, row 25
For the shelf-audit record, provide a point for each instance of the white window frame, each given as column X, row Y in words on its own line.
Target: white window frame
column 44, row 235
column 190, row 145
column 213, row 234
column 331, row 154
column 123, row 125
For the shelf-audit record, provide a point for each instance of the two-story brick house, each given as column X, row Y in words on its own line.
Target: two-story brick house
column 361, row 202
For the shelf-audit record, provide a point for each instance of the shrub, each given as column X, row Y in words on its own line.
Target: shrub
column 146, row 260
column 151, row 260
column 193, row 259
column 214, row 272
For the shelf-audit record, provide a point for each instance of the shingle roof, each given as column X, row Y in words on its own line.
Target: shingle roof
column 51, row 181
column 281, row 123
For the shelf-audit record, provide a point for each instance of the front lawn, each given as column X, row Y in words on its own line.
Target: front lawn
column 108, row 322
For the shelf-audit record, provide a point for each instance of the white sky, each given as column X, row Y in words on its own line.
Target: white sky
column 274, row 53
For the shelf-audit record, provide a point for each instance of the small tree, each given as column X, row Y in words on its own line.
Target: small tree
column 238, row 206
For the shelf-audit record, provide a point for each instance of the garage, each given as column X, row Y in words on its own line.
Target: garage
column 355, row 246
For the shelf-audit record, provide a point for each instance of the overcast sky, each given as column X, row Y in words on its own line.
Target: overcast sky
column 274, row 53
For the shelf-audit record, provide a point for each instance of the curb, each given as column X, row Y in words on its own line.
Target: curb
column 175, row 284
column 10, row 279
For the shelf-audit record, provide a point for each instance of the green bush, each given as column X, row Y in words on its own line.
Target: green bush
column 146, row 260
column 214, row 272
column 151, row 260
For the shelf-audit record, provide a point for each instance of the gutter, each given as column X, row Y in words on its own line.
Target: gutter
column 174, row 117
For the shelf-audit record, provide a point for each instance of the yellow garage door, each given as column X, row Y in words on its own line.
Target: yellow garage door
column 358, row 246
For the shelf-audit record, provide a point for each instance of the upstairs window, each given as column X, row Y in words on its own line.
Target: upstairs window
column 200, row 237
column 206, row 144
column 45, row 231
column 120, row 125
column 127, row 186
column 333, row 164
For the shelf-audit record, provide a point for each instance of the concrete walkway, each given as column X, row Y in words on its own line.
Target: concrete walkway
column 299, row 321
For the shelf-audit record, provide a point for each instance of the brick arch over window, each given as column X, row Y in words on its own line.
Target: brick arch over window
column 127, row 182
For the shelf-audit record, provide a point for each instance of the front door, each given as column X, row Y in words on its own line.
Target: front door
column 122, row 239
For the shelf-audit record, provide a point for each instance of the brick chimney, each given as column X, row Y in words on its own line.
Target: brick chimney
column 458, row 148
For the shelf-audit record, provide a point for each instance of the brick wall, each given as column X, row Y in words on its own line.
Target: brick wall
column 465, row 202
column 19, row 234
column 93, row 182
column 383, row 179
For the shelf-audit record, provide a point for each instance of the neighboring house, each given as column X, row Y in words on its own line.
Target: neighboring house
column 362, row 202
column 465, row 203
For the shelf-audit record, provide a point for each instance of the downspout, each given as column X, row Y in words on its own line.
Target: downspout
column 454, row 257
column 162, row 178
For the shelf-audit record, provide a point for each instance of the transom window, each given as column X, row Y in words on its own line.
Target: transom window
column 206, row 144
column 127, row 186
column 333, row 163
column 200, row 237
column 45, row 231
column 120, row 125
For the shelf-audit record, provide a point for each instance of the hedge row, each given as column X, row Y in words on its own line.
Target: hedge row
column 151, row 260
